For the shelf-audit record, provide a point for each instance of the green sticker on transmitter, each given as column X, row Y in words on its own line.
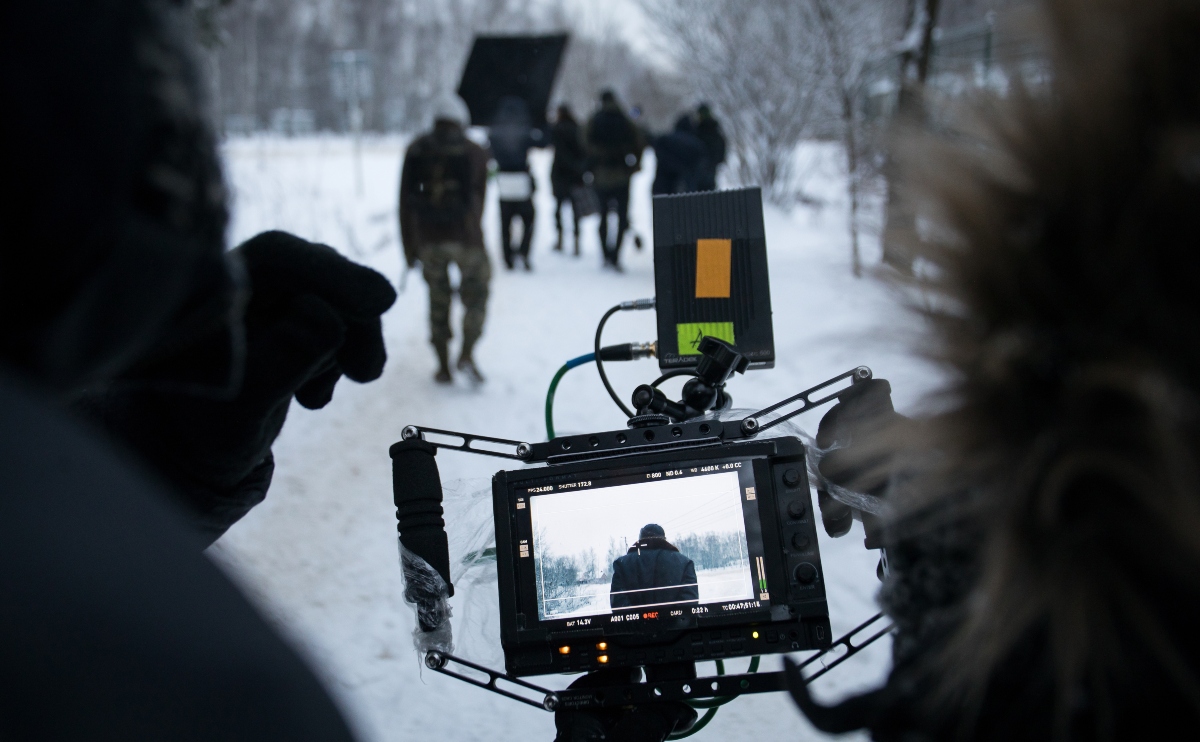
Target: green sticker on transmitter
column 691, row 333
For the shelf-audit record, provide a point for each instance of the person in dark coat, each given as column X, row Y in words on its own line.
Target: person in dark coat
column 654, row 572
column 708, row 129
column 511, row 137
column 614, row 154
column 1043, row 527
column 681, row 159
column 144, row 375
column 566, row 174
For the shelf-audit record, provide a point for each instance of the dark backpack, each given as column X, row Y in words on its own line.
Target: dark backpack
column 442, row 181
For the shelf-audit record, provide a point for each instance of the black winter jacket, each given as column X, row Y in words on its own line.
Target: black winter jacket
column 570, row 157
column 652, row 564
column 614, row 147
column 680, row 158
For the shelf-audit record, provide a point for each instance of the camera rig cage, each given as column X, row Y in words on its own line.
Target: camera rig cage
column 714, row 321
column 790, row 613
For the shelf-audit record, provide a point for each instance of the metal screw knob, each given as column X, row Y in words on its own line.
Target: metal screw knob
column 409, row 432
column 524, row 450
column 435, row 660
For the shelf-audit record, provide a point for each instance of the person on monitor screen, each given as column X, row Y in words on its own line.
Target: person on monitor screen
column 654, row 572
column 615, row 152
column 442, row 187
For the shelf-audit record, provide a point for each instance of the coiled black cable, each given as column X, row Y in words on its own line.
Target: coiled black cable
column 600, row 362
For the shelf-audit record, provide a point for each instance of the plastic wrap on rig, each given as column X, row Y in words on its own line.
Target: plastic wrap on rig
column 471, row 537
column 429, row 596
column 856, row 500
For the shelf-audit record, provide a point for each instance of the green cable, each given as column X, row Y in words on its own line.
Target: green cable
column 713, row 704
column 554, row 386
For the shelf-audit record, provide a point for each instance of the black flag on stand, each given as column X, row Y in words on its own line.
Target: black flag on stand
column 502, row 66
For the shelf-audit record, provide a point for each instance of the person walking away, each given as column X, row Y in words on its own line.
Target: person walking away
column 708, row 130
column 653, row 572
column 511, row 138
column 566, row 174
column 442, row 187
column 681, row 159
column 615, row 154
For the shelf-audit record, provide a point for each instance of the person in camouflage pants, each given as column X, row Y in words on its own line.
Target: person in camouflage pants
column 476, row 273
column 442, row 189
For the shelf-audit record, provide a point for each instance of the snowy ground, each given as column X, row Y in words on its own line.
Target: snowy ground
column 715, row 585
column 319, row 556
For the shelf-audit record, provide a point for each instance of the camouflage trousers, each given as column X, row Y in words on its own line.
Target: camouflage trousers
column 476, row 272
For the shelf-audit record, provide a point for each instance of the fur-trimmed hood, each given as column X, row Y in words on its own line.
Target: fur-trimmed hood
column 1046, row 565
column 1066, row 262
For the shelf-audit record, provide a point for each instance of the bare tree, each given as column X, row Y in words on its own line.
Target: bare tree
column 914, row 53
column 853, row 33
column 757, row 63
column 599, row 58
column 267, row 55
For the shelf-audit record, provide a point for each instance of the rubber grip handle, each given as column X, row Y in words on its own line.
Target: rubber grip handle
column 417, row 492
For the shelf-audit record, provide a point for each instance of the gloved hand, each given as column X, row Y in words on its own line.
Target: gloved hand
column 313, row 316
column 859, row 436
column 650, row 722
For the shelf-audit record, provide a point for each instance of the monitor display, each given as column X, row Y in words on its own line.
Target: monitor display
column 668, row 543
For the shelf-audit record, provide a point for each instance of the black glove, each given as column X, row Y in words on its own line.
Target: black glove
column 650, row 722
column 859, row 436
column 313, row 316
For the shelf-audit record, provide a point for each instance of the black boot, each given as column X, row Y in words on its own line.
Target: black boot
column 443, row 375
column 467, row 365
column 466, row 361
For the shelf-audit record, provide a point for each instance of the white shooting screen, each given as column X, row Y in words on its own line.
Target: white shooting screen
column 579, row 535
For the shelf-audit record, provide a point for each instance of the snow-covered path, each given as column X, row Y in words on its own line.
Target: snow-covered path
column 319, row 556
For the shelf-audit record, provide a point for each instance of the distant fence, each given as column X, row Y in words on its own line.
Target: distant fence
column 968, row 58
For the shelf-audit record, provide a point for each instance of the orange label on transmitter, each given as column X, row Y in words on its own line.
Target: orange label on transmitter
column 713, row 268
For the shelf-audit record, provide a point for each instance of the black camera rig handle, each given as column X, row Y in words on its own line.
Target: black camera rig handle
column 417, row 494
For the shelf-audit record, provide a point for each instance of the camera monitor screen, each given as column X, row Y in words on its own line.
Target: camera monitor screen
column 667, row 544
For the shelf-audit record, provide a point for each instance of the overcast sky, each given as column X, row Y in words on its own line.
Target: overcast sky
column 624, row 17
column 576, row 521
